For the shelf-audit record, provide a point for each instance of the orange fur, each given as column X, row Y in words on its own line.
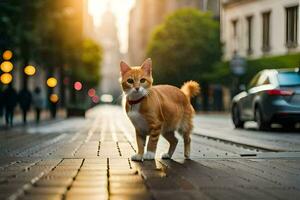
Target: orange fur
column 163, row 109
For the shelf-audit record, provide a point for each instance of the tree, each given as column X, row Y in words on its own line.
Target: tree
column 91, row 58
column 186, row 46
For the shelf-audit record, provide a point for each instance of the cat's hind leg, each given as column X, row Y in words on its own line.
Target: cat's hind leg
column 185, row 131
column 170, row 137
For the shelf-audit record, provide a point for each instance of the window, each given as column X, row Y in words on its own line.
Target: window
column 266, row 31
column 292, row 26
column 263, row 80
column 254, row 81
column 289, row 79
column 234, row 27
column 235, row 35
column 249, row 26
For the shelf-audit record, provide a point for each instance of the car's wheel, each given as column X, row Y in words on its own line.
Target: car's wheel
column 261, row 123
column 236, row 117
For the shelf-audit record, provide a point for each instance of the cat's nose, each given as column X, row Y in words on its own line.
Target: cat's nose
column 137, row 89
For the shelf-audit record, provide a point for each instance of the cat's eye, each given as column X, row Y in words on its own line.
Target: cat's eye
column 130, row 81
column 142, row 80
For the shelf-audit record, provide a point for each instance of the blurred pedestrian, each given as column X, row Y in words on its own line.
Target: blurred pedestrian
column 10, row 99
column 25, row 99
column 38, row 103
column 53, row 101
column 1, row 105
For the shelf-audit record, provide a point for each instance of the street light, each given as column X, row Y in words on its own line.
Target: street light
column 6, row 66
column 29, row 70
column 7, row 55
column 51, row 82
column 6, row 78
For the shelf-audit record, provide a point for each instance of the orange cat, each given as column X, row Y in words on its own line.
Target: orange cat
column 155, row 110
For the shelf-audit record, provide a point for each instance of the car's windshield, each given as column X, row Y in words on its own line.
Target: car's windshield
column 289, row 78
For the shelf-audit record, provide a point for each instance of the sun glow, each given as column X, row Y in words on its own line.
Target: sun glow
column 121, row 9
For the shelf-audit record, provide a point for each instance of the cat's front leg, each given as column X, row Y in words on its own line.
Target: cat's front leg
column 140, row 139
column 151, row 147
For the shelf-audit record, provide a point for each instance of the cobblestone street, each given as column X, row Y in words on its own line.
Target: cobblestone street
column 90, row 159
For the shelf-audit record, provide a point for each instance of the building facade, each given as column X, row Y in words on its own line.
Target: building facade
column 147, row 14
column 108, row 38
column 257, row 28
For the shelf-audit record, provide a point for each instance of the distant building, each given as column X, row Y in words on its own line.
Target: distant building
column 256, row 28
column 147, row 14
column 88, row 22
column 107, row 35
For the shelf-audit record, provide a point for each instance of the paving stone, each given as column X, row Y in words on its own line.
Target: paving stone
column 47, row 190
column 54, row 182
column 145, row 196
column 41, row 197
column 89, row 183
column 88, row 190
column 180, row 195
column 86, row 196
column 130, row 191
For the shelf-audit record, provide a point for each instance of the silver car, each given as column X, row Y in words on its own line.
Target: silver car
column 273, row 96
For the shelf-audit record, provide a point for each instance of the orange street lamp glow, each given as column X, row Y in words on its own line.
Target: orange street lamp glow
column 51, row 82
column 6, row 78
column 6, row 66
column 7, row 55
column 54, row 98
column 29, row 70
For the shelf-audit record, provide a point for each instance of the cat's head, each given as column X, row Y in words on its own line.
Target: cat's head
column 136, row 81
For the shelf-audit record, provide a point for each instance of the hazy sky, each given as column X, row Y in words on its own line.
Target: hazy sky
column 121, row 9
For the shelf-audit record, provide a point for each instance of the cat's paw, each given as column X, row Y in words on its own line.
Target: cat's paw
column 137, row 157
column 165, row 156
column 149, row 155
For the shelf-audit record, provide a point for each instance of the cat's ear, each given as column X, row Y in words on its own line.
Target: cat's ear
column 124, row 68
column 147, row 66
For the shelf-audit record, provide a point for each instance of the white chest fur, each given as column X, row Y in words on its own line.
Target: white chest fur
column 137, row 119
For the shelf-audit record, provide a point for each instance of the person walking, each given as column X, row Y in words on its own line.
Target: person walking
column 25, row 99
column 38, row 103
column 10, row 99
column 53, row 101
column 1, row 105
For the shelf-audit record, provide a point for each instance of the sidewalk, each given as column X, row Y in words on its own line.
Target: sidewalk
column 44, row 117
column 90, row 159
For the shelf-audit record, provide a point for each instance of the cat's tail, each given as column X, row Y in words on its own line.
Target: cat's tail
column 190, row 89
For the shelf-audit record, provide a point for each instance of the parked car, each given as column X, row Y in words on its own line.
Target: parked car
column 272, row 96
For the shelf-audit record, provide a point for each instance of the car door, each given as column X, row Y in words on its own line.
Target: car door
column 263, row 84
column 245, row 102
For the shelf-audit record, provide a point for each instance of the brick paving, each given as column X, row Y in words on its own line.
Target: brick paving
column 90, row 159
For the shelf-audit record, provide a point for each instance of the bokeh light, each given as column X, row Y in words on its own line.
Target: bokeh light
column 6, row 78
column 6, row 66
column 92, row 92
column 29, row 70
column 54, row 98
column 51, row 82
column 77, row 85
column 7, row 55
column 95, row 99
